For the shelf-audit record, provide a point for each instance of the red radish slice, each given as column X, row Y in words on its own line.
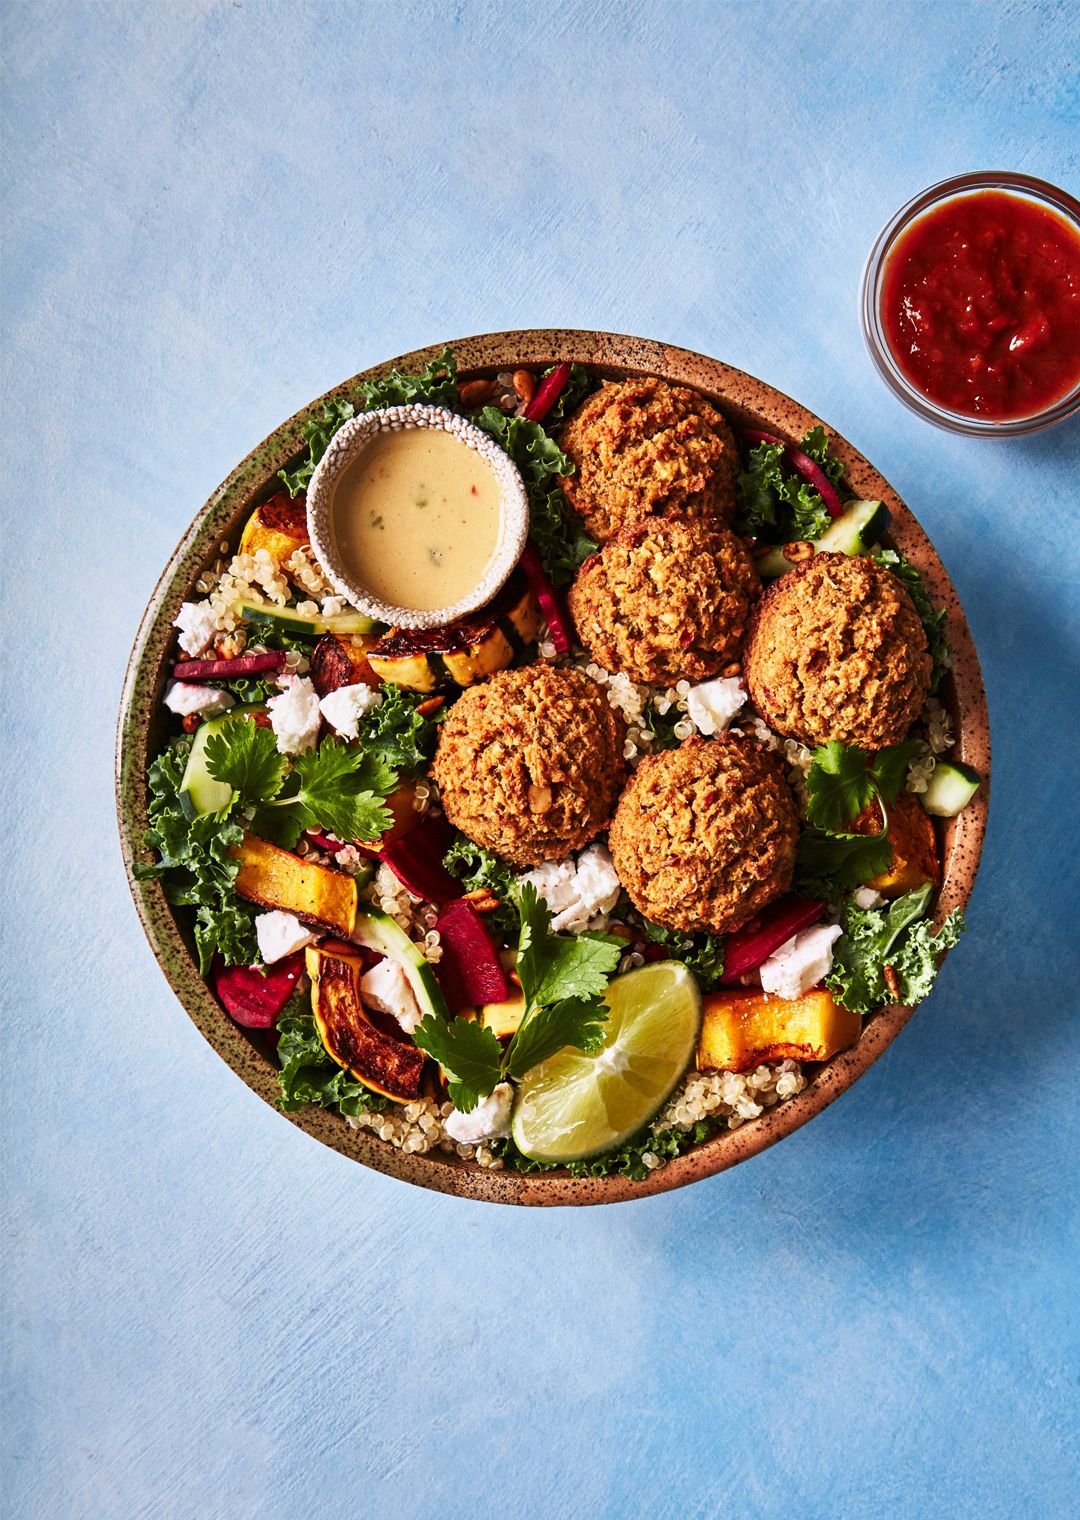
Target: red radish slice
column 220, row 670
column 803, row 465
column 416, row 859
column 558, row 621
column 470, row 972
column 254, row 997
column 548, row 392
column 748, row 948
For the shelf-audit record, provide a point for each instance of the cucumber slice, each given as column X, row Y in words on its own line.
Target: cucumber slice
column 856, row 532
column 199, row 791
column 950, row 789
column 378, row 932
column 313, row 624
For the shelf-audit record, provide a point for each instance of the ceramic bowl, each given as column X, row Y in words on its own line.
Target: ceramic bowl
column 142, row 730
column 348, row 443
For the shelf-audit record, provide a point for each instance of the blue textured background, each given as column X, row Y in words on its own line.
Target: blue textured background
column 212, row 213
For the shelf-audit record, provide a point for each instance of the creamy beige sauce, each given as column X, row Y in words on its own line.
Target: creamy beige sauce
column 416, row 518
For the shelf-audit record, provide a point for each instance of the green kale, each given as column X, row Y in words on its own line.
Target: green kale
column 308, row 1075
column 434, row 386
column 573, row 393
column 777, row 505
column 195, row 865
column 899, row 936
column 701, row 953
column 479, row 870
column 255, row 690
column 316, row 433
column 627, row 1161
column 933, row 622
column 396, row 732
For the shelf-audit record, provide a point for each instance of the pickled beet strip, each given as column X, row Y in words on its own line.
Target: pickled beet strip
column 221, row 670
column 254, row 996
column 469, row 971
column 548, row 392
column 748, row 948
column 416, row 859
column 803, row 465
column 551, row 604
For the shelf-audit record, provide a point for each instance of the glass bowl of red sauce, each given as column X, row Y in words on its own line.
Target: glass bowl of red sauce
column 971, row 304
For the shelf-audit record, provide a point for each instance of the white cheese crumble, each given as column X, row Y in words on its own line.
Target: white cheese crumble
column 712, row 705
column 280, row 934
column 197, row 624
column 386, row 987
column 866, row 897
column 186, row 697
column 576, row 892
column 344, row 708
column 489, row 1120
column 801, row 962
column 295, row 716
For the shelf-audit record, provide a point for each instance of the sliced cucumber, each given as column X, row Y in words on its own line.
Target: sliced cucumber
column 199, row 791
column 856, row 532
column 314, row 624
column 378, row 931
column 950, row 788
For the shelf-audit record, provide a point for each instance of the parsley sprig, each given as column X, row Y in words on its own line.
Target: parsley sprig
column 563, row 978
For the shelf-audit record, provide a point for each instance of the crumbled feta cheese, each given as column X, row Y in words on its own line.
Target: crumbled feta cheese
column 801, row 962
column 866, row 897
column 280, row 934
column 712, row 705
column 577, row 892
column 344, row 708
column 186, row 697
column 489, row 1120
column 295, row 716
column 197, row 625
column 386, row 987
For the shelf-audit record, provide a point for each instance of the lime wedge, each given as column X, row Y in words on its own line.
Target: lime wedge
column 573, row 1106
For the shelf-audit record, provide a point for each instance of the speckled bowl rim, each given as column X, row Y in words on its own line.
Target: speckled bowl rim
column 349, row 442
column 746, row 401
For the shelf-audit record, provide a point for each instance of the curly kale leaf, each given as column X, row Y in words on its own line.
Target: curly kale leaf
column 701, row 953
column 628, row 1160
column 899, row 937
column 308, row 1075
column 316, row 433
column 436, row 385
column 396, row 732
column 774, row 503
column 933, row 622
column 479, row 870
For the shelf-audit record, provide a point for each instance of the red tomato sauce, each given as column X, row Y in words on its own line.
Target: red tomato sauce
column 981, row 305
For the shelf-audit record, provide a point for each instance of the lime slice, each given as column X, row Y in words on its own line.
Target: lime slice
column 573, row 1106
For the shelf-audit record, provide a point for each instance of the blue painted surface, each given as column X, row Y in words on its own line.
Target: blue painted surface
column 214, row 212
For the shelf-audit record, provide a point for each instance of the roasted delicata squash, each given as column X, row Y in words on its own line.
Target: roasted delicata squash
column 501, row 1018
column 313, row 893
column 741, row 1030
column 339, row 660
column 464, row 652
column 911, row 834
column 279, row 526
column 387, row 1065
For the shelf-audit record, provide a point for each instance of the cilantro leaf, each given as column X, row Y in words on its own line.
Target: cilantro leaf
column 468, row 1053
column 889, row 767
column 848, row 859
column 573, row 1021
column 341, row 791
column 838, row 785
column 317, row 433
column 436, row 385
column 557, row 966
column 246, row 757
column 899, row 936
column 937, row 637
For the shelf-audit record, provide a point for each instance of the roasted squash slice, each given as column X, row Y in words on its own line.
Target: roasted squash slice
column 279, row 526
column 386, row 1065
column 342, row 661
column 312, row 893
column 740, row 1030
column 911, row 834
column 501, row 1018
column 464, row 652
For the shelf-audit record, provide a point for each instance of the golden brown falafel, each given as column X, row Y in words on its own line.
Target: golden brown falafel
column 529, row 763
column 667, row 598
column 644, row 448
column 704, row 836
column 836, row 650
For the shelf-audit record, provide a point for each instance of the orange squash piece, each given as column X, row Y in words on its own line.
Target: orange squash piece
column 911, row 833
column 279, row 526
column 386, row 1065
column 741, row 1030
column 313, row 893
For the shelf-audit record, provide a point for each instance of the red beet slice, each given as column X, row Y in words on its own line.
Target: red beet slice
column 548, row 392
column 803, row 465
column 253, row 997
column 470, row 972
column 558, row 621
column 748, row 948
column 221, row 670
column 416, row 859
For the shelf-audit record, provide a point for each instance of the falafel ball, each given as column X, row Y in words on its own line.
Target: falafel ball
column 644, row 448
column 530, row 762
column 704, row 835
column 836, row 650
column 667, row 598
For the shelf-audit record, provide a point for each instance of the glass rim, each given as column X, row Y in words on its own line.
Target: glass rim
column 1022, row 185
